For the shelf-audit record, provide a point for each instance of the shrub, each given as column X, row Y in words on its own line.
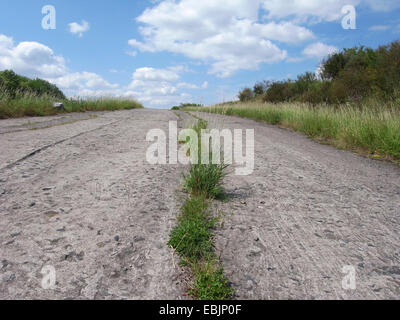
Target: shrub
column 246, row 95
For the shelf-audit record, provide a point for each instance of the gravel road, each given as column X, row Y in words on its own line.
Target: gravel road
column 77, row 194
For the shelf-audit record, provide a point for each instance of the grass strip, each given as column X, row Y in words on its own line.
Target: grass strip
column 32, row 106
column 192, row 238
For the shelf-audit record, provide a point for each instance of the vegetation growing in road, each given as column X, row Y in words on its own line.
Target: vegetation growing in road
column 21, row 96
column 192, row 238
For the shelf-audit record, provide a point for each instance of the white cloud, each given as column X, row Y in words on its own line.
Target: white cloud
column 379, row 28
column 30, row 59
column 383, row 5
column 187, row 85
column 151, row 74
column 229, row 37
column 33, row 59
column 315, row 11
column 312, row 11
column 80, row 81
column 319, row 50
column 132, row 53
column 79, row 29
column 154, row 87
column 161, row 87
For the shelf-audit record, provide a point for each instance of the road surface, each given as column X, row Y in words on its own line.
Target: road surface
column 78, row 195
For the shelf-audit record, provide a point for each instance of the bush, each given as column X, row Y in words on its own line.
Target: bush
column 14, row 86
column 352, row 75
column 246, row 95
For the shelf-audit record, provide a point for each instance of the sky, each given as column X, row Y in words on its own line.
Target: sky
column 168, row 52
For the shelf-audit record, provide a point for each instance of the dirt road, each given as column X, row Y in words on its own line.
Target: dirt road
column 307, row 211
column 81, row 197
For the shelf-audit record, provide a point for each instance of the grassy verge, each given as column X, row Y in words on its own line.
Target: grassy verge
column 30, row 106
column 372, row 131
column 192, row 238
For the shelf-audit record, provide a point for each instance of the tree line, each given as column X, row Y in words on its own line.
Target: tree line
column 351, row 75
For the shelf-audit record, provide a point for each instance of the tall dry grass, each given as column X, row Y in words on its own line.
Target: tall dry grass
column 373, row 129
column 29, row 105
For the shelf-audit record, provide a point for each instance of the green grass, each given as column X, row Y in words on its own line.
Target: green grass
column 206, row 180
column 30, row 106
column 373, row 130
column 192, row 238
column 210, row 282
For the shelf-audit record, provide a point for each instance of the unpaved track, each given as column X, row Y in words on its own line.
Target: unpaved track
column 82, row 198
column 307, row 211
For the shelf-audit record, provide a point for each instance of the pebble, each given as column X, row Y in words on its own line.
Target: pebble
column 9, row 278
column 116, row 238
column 74, row 256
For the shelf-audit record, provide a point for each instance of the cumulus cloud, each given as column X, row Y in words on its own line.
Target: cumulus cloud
column 30, row 59
column 230, row 37
column 79, row 29
column 33, row 59
column 80, row 82
column 319, row 50
column 161, row 87
column 151, row 74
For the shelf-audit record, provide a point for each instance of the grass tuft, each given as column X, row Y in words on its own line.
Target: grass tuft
column 211, row 283
column 206, row 180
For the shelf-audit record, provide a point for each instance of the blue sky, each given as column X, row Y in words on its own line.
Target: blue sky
column 169, row 52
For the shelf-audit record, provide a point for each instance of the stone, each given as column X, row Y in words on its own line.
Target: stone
column 58, row 106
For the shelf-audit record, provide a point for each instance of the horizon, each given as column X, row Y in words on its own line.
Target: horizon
column 164, row 53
